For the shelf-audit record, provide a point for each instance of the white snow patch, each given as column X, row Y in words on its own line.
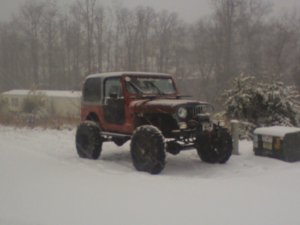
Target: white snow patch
column 277, row 131
column 49, row 93
column 42, row 181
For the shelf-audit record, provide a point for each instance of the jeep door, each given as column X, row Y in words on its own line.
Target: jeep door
column 113, row 107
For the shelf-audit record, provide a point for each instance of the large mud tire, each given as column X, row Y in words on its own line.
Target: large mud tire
column 148, row 149
column 88, row 140
column 215, row 147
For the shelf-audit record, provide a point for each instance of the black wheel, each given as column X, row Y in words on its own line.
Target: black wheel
column 148, row 149
column 88, row 140
column 215, row 147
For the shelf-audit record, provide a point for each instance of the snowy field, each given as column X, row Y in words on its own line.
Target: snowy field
column 43, row 182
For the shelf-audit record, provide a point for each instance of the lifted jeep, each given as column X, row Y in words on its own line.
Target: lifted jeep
column 146, row 109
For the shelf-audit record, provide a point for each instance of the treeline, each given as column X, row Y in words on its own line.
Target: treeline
column 49, row 47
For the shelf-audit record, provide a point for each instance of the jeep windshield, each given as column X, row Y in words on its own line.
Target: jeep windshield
column 150, row 86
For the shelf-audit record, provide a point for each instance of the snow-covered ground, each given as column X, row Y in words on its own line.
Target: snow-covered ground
column 43, row 182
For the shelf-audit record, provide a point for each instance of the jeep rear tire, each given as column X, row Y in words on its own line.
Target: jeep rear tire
column 88, row 140
column 215, row 147
column 148, row 149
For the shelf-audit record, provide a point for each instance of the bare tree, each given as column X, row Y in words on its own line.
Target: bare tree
column 72, row 47
column 31, row 19
column 99, row 36
column 128, row 28
column 13, row 57
column 86, row 9
column 165, row 28
column 225, row 18
column 204, row 52
column 145, row 22
column 281, row 50
column 250, row 39
column 44, row 45
column 50, row 41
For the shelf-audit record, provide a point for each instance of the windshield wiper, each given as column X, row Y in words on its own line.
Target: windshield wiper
column 136, row 88
column 157, row 88
column 140, row 92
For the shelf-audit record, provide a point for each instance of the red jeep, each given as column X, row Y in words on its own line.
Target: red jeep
column 147, row 109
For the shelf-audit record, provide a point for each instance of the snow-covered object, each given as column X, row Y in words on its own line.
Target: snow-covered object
column 276, row 131
column 261, row 103
column 278, row 142
column 59, row 103
column 170, row 102
column 50, row 93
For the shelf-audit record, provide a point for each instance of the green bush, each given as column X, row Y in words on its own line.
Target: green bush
column 261, row 103
column 33, row 103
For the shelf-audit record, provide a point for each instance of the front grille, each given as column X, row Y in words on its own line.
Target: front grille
column 197, row 110
column 193, row 111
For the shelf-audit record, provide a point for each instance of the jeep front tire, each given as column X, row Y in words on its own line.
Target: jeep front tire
column 215, row 147
column 148, row 149
column 88, row 140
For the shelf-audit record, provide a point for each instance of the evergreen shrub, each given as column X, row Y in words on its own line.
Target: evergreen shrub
column 257, row 103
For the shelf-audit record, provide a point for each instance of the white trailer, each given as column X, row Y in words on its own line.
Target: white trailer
column 57, row 103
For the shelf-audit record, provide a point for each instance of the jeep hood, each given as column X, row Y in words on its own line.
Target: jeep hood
column 161, row 105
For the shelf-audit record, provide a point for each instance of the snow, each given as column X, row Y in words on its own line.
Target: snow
column 117, row 74
column 276, row 131
column 42, row 181
column 50, row 93
column 167, row 102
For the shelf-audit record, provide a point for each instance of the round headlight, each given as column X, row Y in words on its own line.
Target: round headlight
column 182, row 112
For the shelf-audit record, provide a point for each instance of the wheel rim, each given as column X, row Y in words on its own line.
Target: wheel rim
column 216, row 147
column 147, row 150
column 221, row 148
column 142, row 152
column 84, row 143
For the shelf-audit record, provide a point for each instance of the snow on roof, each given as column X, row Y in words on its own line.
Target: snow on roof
column 50, row 93
column 276, row 131
column 115, row 74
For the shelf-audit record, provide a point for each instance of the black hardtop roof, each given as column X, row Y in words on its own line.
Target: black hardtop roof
column 119, row 74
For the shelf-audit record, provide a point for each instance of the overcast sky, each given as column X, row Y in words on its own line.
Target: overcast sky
column 189, row 10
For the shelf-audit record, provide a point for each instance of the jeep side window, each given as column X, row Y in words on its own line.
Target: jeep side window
column 92, row 90
column 113, row 88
